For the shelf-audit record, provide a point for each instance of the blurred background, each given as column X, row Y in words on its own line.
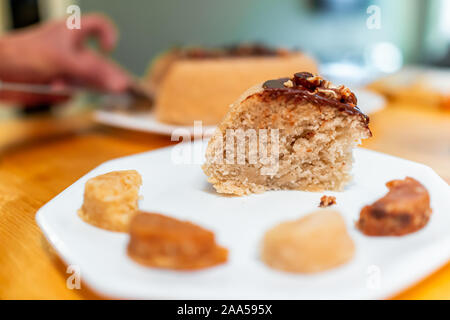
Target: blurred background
column 334, row 31
column 356, row 42
column 410, row 31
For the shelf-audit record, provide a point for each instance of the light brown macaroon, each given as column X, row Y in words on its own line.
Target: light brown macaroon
column 111, row 200
column 314, row 243
column 163, row 242
column 295, row 133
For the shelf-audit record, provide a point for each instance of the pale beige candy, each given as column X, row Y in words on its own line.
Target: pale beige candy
column 316, row 242
column 111, row 200
column 313, row 148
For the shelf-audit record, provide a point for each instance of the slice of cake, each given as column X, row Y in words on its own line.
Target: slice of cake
column 200, row 84
column 293, row 133
column 111, row 200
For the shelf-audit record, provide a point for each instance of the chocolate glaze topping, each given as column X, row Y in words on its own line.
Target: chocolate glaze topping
column 275, row 84
column 240, row 50
column 314, row 89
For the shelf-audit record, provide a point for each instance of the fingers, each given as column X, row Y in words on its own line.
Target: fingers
column 100, row 27
column 90, row 68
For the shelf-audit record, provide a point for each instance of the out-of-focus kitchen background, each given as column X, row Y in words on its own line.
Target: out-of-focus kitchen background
column 335, row 31
column 405, row 43
column 409, row 31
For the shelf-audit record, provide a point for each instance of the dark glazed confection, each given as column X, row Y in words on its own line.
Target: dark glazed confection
column 404, row 209
column 164, row 242
column 316, row 90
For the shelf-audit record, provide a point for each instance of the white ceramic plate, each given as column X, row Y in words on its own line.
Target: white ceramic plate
column 381, row 267
column 369, row 102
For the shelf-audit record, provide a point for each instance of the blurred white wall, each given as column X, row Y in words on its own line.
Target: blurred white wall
column 148, row 27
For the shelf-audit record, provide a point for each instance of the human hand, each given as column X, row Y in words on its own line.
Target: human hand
column 55, row 55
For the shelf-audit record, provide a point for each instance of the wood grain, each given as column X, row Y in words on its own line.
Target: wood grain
column 35, row 170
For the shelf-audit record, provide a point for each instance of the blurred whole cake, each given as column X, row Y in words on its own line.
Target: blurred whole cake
column 199, row 84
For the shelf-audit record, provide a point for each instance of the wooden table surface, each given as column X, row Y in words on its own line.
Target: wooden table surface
column 34, row 171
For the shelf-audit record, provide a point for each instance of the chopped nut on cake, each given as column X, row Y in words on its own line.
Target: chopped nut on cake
column 404, row 209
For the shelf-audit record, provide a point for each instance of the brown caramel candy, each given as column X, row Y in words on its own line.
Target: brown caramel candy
column 404, row 209
column 164, row 242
